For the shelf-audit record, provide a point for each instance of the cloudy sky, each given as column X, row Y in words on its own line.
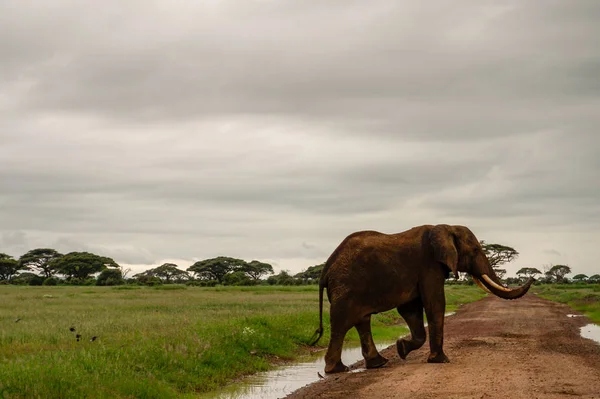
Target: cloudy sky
column 181, row 130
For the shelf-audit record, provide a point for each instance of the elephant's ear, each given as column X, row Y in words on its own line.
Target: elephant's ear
column 444, row 248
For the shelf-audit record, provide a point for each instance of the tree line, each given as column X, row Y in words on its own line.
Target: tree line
column 498, row 255
column 46, row 266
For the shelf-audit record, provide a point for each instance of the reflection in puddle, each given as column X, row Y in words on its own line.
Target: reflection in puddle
column 591, row 331
column 283, row 381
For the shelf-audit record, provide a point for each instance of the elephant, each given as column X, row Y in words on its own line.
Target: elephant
column 372, row 272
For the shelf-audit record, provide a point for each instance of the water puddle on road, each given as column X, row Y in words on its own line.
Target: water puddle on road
column 591, row 331
column 283, row 381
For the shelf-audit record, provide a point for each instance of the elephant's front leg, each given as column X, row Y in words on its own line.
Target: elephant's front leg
column 434, row 302
column 369, row 351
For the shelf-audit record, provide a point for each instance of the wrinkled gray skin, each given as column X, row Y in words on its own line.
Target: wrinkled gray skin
column 372, row 272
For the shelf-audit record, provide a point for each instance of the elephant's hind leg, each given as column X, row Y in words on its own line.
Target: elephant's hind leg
column 341, row 321
column 372, row 357
column 412, row 313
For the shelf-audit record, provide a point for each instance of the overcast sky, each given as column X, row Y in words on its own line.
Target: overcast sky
column 183, row 130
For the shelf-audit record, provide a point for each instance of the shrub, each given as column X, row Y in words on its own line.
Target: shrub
column 37, row 280
column 237, row 278
column 272, row 280
column 23, row 278
column 110, row 276
column 50, row 281
column 149, row 280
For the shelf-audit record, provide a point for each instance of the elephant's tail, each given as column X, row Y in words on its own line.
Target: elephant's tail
column 319, row 331
column 323, row 283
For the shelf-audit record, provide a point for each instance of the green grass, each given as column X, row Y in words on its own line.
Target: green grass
column 584, row 298
column 172, row 341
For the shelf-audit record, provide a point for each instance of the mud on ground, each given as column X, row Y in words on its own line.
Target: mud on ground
column 526, row 348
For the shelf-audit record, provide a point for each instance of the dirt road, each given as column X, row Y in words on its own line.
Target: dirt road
column 527, row 348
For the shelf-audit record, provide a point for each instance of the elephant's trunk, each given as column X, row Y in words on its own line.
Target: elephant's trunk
column 499, row 290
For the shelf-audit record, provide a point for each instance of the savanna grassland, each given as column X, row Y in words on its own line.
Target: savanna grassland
column 584, row 298
column 167, row 341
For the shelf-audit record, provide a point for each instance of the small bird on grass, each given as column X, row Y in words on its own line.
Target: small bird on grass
column 72, row 329
column 93, row 338
column 18, row 320
column 78, row 336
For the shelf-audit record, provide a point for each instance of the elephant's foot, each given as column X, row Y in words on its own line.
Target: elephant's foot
column 438, row 358
column 338, row 367
column 402, row 349
column 376, row 362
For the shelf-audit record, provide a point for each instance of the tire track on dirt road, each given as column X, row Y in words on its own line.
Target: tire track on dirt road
column 526, row 348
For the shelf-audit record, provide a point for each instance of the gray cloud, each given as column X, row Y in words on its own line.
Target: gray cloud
column 272, row 129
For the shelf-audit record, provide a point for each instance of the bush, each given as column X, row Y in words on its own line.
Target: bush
column 272, row 280
column 110, row 276
column 50, row 281
column 37, row 280
column 150, row 281
column 23, row 278
column 237, row 278
column 201, row 283
column 112, row 281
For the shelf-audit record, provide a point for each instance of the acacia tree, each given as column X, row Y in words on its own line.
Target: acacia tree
column 255, row 269
column 41, row 260
column 216, row 268
column 497, row 255
column 312, row 273
column 558, row 273
column 528, row 272
column 594, row 278
column 9, row 266
column 81, row 265
column 169, row 272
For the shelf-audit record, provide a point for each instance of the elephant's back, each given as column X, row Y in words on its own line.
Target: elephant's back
column 375, row 258
column 376, row 270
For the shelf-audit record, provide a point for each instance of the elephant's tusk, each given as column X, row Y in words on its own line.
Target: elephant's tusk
column 494, row 284
column 480, row 284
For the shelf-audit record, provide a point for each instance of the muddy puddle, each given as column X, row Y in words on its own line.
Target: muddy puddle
column 283, row 381
column 591, row 331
